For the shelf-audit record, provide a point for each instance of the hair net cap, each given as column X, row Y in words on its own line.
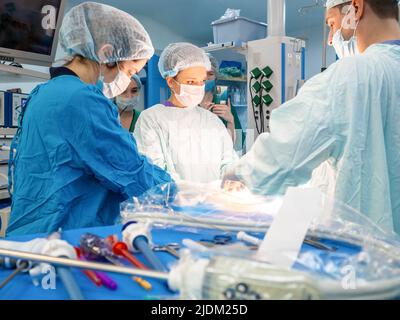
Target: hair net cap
column 333, row 3
column 104, row 34
column 136, row 78
column 180, row 56
column 214, row 63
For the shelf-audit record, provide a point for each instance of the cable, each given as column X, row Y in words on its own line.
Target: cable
column 252, row 103
column 262, row 106
column 324, row 46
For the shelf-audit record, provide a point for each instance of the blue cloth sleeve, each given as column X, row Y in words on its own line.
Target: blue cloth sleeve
column 105, row 148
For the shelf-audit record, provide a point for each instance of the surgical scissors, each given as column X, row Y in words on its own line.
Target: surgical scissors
column 226, row 239
column 220, row 240
column 171, row 248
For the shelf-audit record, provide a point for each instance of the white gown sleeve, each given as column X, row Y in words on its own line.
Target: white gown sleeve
column 150, row 141
column 302, row 137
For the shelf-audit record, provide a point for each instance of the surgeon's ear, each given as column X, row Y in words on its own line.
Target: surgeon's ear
column 173, row 85
column 170, row 82
column 359, row 6
column 106, row 53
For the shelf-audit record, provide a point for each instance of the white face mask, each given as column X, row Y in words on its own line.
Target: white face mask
column 190, row 96
column 345, row 48
column 127, row 104
column 117, row 86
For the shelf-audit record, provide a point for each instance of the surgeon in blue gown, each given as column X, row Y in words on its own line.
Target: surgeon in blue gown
column 74, row 163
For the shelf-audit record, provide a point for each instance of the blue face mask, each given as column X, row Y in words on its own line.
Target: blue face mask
column 127, row 104
column 210, row 85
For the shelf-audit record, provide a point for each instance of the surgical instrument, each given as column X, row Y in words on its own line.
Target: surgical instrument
column 121, row 249
column 243, row 236
column 106, row 280
column 219, row 240
column 95, row 247
column 65, row 274
column 21, row 266
column 91, row 275
column 171, row 248
column 73, row 263
column 137, row 237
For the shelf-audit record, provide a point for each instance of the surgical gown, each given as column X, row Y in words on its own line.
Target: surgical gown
column 74, row 163
column 347, row 118
column 192, row 144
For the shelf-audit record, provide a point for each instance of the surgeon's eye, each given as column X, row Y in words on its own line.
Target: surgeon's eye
column 132, row 72
column 111, row 65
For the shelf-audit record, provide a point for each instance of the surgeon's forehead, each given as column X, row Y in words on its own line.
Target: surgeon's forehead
column 193, row 73
column 331, row 13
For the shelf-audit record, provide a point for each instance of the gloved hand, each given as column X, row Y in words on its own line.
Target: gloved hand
column 207, row 102
column 223, row 111
column 160, row 196
column 233, row 186
column 230, row 182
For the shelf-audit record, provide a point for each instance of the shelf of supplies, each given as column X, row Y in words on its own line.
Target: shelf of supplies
column 4, row 180
column 4, row 194
column 211, row 47
column 7, row 132
column 10, row 74
column 239, row 105
column 232, row 79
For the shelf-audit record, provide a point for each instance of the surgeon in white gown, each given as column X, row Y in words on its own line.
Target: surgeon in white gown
column 347, row 118
column 188, row 141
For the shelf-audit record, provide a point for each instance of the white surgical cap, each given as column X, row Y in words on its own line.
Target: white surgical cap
column 214, row 63
column 92, row 26
column 180, row 56
column 333, row 3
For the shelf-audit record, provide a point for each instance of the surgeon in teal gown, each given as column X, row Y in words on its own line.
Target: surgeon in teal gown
column 74, row 163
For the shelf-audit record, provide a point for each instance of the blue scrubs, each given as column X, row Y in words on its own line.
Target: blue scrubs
column 74, row 163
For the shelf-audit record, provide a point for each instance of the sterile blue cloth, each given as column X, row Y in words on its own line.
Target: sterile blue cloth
column 22, row 288
column 74, row 163
column 348, row 115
